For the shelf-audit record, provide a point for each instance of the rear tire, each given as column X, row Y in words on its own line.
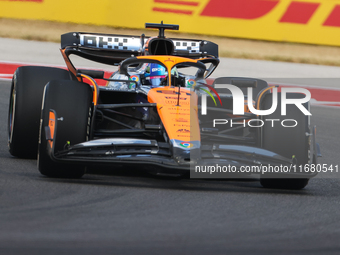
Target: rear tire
column 25, row 107
column 286, row 141
column 72, row 102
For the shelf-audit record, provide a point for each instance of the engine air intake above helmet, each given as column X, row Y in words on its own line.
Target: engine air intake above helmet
column 160, row 46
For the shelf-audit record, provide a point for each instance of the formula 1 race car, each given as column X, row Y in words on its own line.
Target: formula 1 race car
column 157, row 112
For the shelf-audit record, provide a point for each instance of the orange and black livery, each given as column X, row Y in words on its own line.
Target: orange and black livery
column 149, row 114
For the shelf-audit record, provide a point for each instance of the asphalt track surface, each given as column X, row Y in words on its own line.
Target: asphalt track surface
column 132, row 213
column 127, row 212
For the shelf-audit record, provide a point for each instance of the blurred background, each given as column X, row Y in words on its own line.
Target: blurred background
column 301, row 31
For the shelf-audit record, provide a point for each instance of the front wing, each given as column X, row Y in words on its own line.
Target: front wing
column 163, row 157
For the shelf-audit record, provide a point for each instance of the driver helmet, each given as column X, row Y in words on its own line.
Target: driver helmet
column 155, row 74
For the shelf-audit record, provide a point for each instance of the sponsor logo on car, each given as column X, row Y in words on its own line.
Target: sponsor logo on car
column 186, row 145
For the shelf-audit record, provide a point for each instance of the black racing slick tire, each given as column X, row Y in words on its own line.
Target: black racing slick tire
column 25, row 107
column 290, row 142
column 72, row 103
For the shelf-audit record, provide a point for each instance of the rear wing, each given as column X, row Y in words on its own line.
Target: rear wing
column 112, row 49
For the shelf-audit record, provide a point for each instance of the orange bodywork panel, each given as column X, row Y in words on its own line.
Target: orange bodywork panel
column 178, row 114
column 94, row 86
column 69, row 65
column 169, row 61
column 179, row 120
column 51, row 125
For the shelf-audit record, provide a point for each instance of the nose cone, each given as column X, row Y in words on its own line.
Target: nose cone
column 178, row 112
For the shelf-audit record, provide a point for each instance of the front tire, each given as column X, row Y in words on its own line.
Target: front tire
column 72, row 102
column 25, row 107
